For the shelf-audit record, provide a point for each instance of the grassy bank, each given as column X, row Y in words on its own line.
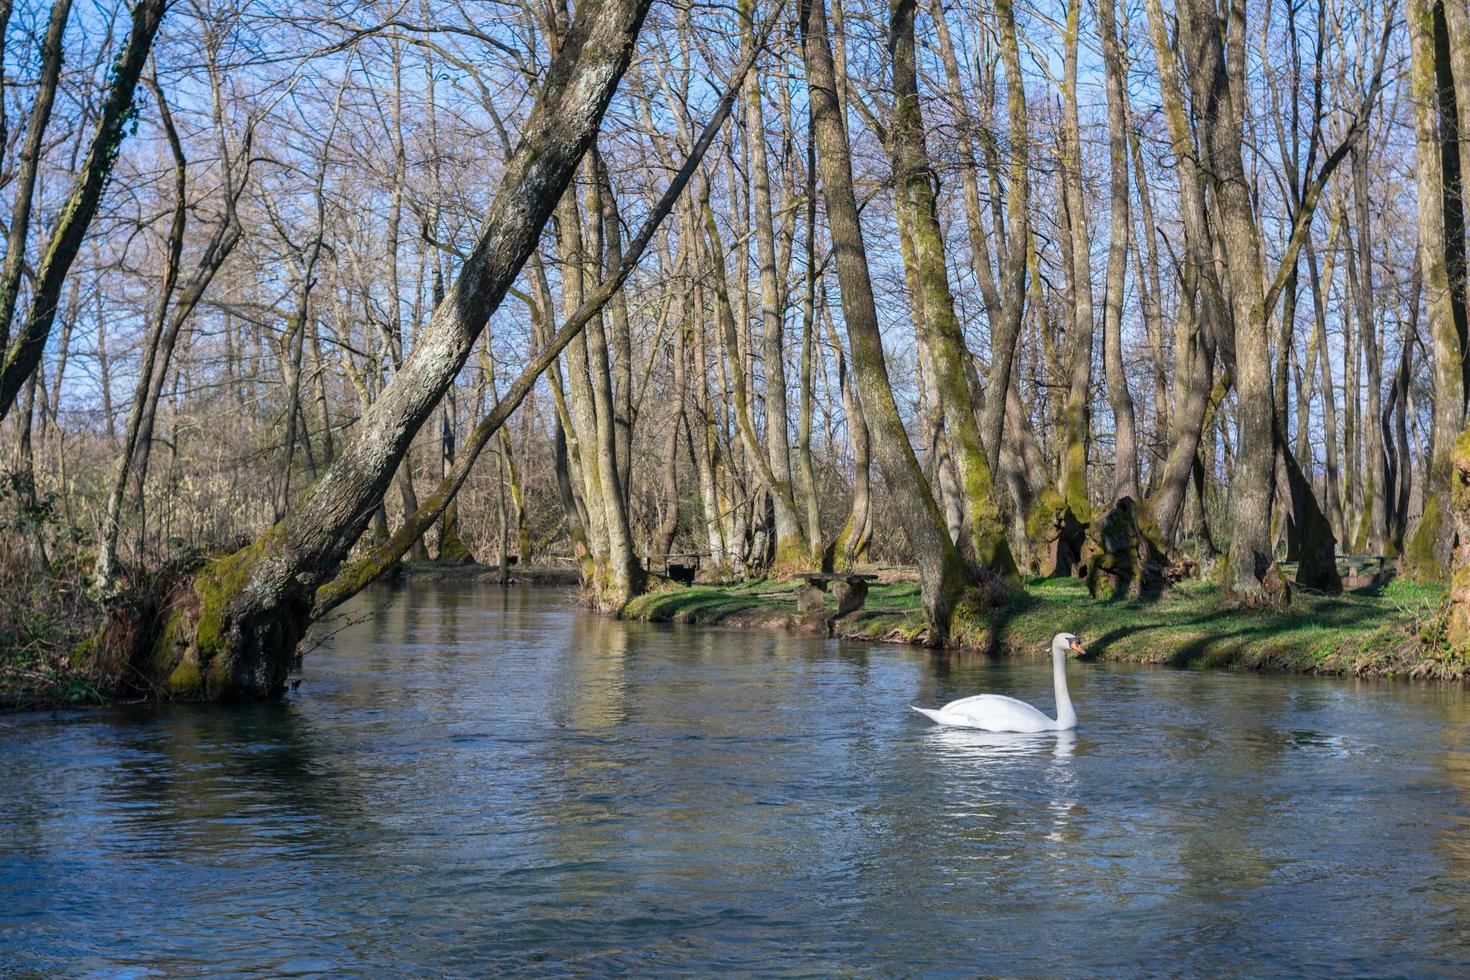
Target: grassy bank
column 1389, row 631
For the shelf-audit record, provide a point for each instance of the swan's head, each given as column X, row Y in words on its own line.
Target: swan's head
column 1063, row 642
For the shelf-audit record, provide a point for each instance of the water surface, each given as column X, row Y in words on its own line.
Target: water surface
column 472, row 780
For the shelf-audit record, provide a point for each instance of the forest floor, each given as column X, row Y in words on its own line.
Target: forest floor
column 1382, row 631
column 44, row 620
column 40, row 676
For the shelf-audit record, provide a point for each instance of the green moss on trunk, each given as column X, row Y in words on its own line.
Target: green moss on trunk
column 452, row 549
column 1423, row 558
column 1056, row 534
column 1124, row 554
column 228, row 631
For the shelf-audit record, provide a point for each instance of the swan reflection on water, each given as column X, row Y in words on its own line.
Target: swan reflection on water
column 972, row 745
column 987, row 778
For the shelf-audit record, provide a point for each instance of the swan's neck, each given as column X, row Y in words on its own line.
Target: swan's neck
column 1066, row 717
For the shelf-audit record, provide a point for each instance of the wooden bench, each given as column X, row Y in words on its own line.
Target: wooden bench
column 678, row 566
column 1356, row 570
column 850, row 588
column 1360, row 570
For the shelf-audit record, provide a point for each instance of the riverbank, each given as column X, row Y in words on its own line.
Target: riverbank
column 46, row 627
column 1388, row 631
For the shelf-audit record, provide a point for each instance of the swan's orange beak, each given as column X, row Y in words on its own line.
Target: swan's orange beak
column 1077, row 649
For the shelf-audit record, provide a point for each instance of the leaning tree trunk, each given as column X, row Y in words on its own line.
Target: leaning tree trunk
column 28, row 168
column 366, row 569
column 233, row 630
column 22, row 356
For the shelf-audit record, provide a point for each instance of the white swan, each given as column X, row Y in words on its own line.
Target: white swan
column 998, row 713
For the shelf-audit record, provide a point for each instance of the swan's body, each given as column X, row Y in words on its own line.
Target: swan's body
column 998, row 713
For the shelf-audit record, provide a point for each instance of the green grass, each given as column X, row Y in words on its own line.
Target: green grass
column 1373, row 631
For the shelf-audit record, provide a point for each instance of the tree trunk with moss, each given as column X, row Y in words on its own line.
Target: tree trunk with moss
column 1004, row 289
column 626, row 577
column 914, row 191
column 1122, row 555
column 1077, row 262
column 581, row 421
column 1458, row 496
column 1216, row 83
column 1429, row 548
column 942, row 572
column 1452, row 73
column 232, row 630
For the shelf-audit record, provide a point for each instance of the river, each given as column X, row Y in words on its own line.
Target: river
column 473, row 780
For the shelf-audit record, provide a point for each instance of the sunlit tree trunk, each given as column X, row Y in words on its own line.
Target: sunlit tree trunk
column 914, row 192
column 1216, row 83
column 1125, row 473
column 941, row 570
column 625, row 573
column 1429, row 551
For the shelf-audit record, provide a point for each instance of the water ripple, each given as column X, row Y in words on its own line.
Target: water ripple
column 474, row 781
